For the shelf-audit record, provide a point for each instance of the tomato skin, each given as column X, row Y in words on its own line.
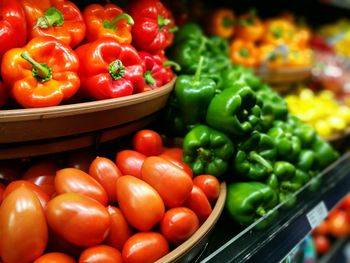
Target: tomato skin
column 119, row 230
column 345, row 204
column 23, row 228
column 198, row 203
column 100, row 254
column 140, row 203
column 145, row 247
column 79, row 219
column 176, row 153
column 339, row 223
column 178, row 224
column 172, row 183
column 72, row 180
column 180, row 164
column 80, row 159
column 106, row 173
column 210, row 186
column 40, row 194
column 55, row 257
column 322, row 244
column 322, row 229
column 130, row 162
column 148, row 142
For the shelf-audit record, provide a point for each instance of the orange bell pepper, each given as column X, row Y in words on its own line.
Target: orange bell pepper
column 221, row 23
column 302, row 37
column 279, row 31
column 244, row 53
column 271, row 57
column 107, row 21
column 57, row 18
column 41, row 74
column 249, row 27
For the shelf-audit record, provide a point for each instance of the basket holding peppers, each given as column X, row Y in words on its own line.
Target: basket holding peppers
column 52, row 52
column 237, row 128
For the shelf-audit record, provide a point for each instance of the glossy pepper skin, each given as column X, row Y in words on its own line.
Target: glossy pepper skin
column 221, row 23
column 13, row 28
column 234, row 111
column 248, row 201
column 41, row 74
column 154, row 25
column 109, row 69
column 60, row 19
column 255, row 156
column 193, row 94
column 207, row 151
column 305, row 160
column 324, row 153
column 107, row 21
column 305, row 132
column 244, row 53
column 187, row 31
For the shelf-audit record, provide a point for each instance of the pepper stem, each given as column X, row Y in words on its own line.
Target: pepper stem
column 170, row 63
column 40, row 71
column 204, row 154
column 244, row 52
column 260, row 211
column 162, row 22
column 288, row 186
column 52, row 17
column 197, row 75
column 112, row 24
column 116, row 69
column 257, row 158
column 149, row 78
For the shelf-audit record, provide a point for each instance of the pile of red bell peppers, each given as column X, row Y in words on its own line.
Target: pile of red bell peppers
column 51, row 51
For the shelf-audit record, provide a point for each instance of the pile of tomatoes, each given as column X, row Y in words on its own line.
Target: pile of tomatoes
column 135, row 208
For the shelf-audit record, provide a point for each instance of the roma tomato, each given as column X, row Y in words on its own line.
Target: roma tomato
column 178, row 224
column 198, row 203
column 339, row 223
column 43, row 174
column 321, row 229
column 80, row 159
column 23, row 228
column 119, row 231
column 172, row 183
column 140, row 203
column 130, row 162
column 210, row 186
column 72, row 180
column 182, row 165
column 322, row 244
column 106, row 173
column 100, row 254
column 40, row 194
column 176, row 153
column 148, row 142
column 55, row 257
column 145, row 247
column 345, row 203
column 79, row 219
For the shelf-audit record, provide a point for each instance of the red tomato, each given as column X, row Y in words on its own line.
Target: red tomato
column 100, row 254
column 145, row 247
column 43, row 174
column 345, row 203
column 119, row 231
column 40, row 194
column 172, row 183
column 178, row 224
column 338, row 224
column 80, row 159
column 210, row 186
column 106, row 173
column 322, row 244
column 199, row 203
column 176, row 153
column 23, row 227
column 140, row 203
column 180, row 164
column 321, row 229
column 72, row 180
column 79, row 219
column 148, row 142
column 130, row 162
column 55, row 257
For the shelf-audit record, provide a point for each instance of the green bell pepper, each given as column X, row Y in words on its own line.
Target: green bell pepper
column 234, row 111
column 324, row 153
column 248, row 201
column 188, row 31
column 193, row 94
column 305, row 160
column 254, row 157
column 206, row 150
column 302, row 130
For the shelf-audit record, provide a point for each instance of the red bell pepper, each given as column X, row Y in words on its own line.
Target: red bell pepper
column 107, row 21
column 109, row 69
column 156, row 71
column 154, row 25
column 41, row 74
column 13, row 28
column 57, row 18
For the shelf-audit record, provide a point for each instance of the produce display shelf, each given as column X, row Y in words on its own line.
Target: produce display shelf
column 340, row 252
column 288, row 226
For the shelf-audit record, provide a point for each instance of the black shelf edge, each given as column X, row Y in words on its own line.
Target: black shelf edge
column 337, row 252
column 274, row 242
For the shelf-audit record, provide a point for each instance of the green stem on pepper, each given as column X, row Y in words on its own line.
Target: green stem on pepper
column 40, row 71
